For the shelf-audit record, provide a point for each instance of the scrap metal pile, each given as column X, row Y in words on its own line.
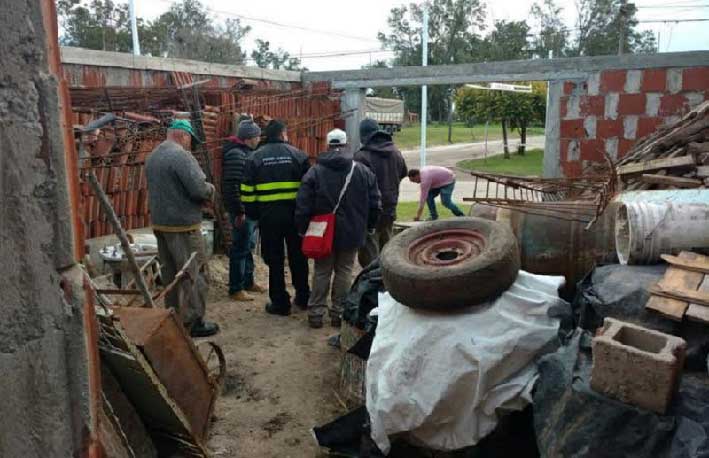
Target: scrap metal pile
column 674, row 157
column 573, row 199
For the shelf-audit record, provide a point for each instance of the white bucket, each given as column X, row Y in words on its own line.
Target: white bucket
column 644, row 231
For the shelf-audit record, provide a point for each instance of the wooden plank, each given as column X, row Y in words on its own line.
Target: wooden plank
column 677, row 279
column 703, row 171
column 678, row 182
column 696, row 312
column 686, row 264
column 656, row 164
column 688, row 295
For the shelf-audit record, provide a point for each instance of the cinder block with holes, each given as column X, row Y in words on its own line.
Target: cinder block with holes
column 637, row 365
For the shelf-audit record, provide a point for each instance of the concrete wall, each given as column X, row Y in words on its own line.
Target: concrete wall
column 91, row 68
column 610, row 110
column 47, row 352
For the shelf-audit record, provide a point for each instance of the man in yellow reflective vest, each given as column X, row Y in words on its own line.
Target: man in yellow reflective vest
column 271, row 181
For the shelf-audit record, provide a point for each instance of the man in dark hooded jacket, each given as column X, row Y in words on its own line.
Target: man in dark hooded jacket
column 382, row 157
column 237, row 150
column 356, row 215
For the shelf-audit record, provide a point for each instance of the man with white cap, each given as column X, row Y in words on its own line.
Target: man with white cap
column 357, row 214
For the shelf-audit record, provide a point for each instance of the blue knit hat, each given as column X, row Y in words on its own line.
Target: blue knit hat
column 248, row 129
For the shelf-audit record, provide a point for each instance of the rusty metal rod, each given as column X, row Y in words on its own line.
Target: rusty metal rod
column 122, row 237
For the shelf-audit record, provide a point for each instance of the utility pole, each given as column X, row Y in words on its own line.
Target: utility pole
column 624, row 12
column 424, row 88
column 134, row 27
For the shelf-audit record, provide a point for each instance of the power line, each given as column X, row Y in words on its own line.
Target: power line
column 283, row 25
column 668, row 21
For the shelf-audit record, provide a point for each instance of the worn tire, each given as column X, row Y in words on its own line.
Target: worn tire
column 449, row 264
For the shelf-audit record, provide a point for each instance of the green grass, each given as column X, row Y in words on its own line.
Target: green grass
column 406, row 211
column 528, row 165
column 437, row 134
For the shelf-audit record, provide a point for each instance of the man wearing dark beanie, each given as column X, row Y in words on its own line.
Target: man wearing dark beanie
column 237, row 151
column 271, row 181
column 379, row 153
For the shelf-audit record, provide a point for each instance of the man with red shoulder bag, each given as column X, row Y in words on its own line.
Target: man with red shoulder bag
column 337, row 186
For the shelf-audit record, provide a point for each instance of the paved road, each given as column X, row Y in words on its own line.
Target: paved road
column 449, row 156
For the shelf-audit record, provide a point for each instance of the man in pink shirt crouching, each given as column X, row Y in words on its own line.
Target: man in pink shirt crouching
column 435, row 180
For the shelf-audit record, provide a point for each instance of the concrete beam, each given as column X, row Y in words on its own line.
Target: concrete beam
column 90, row 57
column 520, row 70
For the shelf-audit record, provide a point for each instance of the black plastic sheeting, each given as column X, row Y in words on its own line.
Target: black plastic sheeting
column 572, row 420
column 348, row 436
column 362, row 297
column 620, row 292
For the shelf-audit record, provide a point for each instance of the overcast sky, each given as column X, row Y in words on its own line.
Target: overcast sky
column 304, row 25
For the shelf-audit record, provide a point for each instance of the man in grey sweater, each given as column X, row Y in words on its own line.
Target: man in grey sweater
column 177, row 191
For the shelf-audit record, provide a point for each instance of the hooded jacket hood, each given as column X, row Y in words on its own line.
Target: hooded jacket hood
column 336, row 159
column 380, row 143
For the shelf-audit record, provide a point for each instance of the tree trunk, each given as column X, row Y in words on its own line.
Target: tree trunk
column 504, row 139
column 450, row 116
column 522, row 139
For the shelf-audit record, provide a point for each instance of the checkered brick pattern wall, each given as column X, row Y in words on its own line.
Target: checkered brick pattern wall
column 614, row 108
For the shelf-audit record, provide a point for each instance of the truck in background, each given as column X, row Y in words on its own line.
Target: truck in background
column 389, row 113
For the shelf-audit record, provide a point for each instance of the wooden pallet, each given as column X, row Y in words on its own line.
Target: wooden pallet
column 684, row 290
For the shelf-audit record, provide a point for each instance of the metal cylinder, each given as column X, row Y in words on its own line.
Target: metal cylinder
column 645, row 230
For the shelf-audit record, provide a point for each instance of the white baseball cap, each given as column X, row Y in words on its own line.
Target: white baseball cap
column 337, row 137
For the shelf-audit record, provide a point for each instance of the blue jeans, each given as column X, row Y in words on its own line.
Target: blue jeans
column 241, row 261
column 446, row 193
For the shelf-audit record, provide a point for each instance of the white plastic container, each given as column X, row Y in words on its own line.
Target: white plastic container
column 645, row 230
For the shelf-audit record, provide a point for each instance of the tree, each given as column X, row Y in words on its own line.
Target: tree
column 511, row 109
column 454, row 29
column 99, row 24
column 507, row 41
column 552, row 34
column 600, row 24
column 279, row 59
column 187, row 31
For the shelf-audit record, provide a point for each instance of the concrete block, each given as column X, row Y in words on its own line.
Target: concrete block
column 611, row 106
column 646, row 126
column 589, row 124
column 674, row 80
column 695, row 98
column 612, row 147
column 637, row 365
column 594, row 84
column 574, row 152
column 652, row 103
column 633, row 80
column 630, row 127
column 573, row 107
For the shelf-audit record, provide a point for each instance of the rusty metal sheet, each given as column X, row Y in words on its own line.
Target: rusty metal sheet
column 175, row 360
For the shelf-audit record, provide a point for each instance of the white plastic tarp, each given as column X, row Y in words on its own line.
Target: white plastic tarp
column 441, row 377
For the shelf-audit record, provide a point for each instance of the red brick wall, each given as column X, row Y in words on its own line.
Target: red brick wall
column 612, row 109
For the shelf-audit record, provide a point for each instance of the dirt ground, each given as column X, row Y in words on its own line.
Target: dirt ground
column 281, row 378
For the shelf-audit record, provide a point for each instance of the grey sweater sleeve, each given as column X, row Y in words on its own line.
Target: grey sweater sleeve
column 192, row 178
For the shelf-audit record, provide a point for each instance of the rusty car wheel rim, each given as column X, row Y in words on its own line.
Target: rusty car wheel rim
column 445, row 248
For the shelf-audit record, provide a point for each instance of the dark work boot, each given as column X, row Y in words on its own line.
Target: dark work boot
column 335, row 321
column 301, row 301
column 315, row 321
column 204, row 329
column 275, row 310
